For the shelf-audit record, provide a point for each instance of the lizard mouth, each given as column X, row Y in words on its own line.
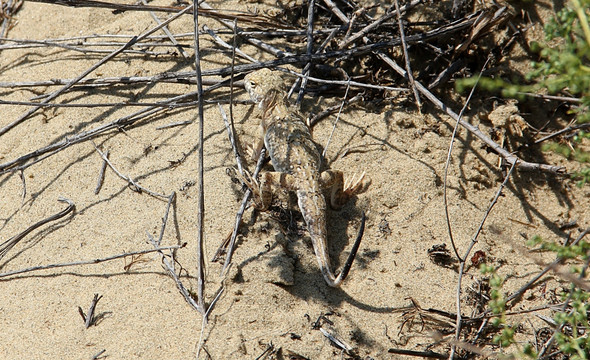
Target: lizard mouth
column 251, row 89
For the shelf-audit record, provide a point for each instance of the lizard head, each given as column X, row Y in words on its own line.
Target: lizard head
column 264, row 86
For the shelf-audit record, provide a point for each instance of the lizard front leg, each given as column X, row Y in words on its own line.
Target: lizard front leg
column 270, row 182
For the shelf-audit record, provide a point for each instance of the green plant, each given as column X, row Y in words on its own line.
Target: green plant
column 572, row 339
column 497, row 305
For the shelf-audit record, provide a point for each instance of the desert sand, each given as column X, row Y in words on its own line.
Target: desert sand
column 141, row 313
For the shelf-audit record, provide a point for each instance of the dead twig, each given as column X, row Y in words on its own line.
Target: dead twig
column 100, row 180
column 239, row 214
column 406, row 56
column 447, row 164
column 90, row 318
column 364, row 31
column 132, row 184
column 89, row 262
column 518, row 293
column 341, row 344
column 98, row 354
column 200, row 172
column 183, row 53
column 258, row 19
column 463, row 259
column 309, row 50
column 424, row 354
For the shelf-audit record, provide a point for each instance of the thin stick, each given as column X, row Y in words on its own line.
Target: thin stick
column 225, row 45
column 464, row 259
column 90, row 318
column 448, row 162
column 258, row 43
column 232, row 140
column 562, row 131
column 259, row 19
column 172, row 77
column 339, row 14
column 10, row 9
column 107, row 58
column 552, row 97
column 171, row 270
column 240, row 213
column 406, row 56
column 316, row 118
column 309, row 50
column 376, row 24
column 200, row 176
column 180, row 123
column 98, row 354
column 89, row 262
column 30, row 44
column 21, row 175
column 335, row 123
column 132, row 184
column 100, row 180
column 336, row 341
column 183, row 53
column 423, row 354
column 232, row 128
column 9, row 244
column 347, row 83
column 170, row 265
column 517, row 294
column 558, row 329
column 171, row 200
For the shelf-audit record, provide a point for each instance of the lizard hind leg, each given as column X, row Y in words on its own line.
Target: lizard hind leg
column 341, row 191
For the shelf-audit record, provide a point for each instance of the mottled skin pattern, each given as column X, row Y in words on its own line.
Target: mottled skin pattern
column 296, row 160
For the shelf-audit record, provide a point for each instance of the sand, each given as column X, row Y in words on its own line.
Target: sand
column 142, row 315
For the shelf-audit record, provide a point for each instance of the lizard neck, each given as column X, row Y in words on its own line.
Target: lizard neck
column 275, row 105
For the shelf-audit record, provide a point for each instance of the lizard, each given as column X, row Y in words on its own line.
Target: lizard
column 296, row 160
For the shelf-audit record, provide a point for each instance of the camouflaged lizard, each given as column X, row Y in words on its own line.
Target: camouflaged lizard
column 296, row 160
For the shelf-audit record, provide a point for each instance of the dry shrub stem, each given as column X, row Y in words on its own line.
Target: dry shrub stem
column 463, row 260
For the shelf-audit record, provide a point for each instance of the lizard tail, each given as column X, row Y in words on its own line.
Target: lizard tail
column 324, row 260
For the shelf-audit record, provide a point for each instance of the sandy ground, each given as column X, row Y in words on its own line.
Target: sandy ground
column 143, row 316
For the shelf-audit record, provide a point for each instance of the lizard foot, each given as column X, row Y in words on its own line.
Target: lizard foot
column 252, row 184
column 352, row 186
